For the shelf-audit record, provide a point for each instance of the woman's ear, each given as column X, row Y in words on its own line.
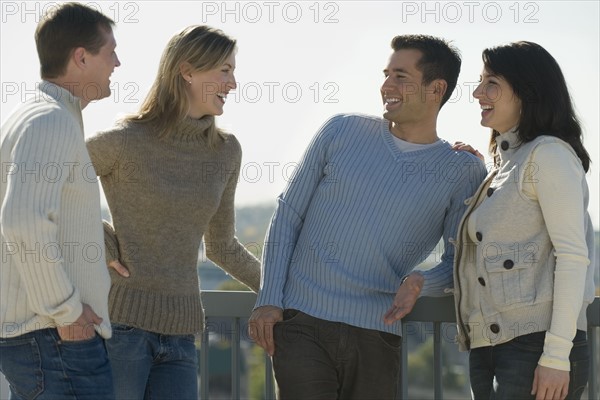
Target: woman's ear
column 185, row 69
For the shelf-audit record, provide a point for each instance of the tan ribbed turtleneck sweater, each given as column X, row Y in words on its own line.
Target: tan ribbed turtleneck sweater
column 165, row 195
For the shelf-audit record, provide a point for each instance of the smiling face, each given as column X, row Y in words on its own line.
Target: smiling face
column 406, row 99
column 500, row 107
column 208, row 89
column 100, row 67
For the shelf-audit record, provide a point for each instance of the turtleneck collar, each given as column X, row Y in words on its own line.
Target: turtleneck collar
column 507, row 143
column 64, row 97
column 192, row 130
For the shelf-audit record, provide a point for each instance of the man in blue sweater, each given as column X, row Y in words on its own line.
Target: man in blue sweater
column 368, row 202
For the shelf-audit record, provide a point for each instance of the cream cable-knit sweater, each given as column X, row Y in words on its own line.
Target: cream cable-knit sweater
column 165, row 196
column 52, row 243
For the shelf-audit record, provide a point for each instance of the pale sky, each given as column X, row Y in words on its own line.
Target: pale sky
column 298, row 63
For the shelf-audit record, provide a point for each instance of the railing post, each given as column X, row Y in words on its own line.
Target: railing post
column 437, row 360
column 204, row 365
column 269, row 395
column 235, row 360
column 593, row 334
column 403, row 392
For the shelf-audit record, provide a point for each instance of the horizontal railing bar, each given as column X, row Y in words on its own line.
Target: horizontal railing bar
column 427, row 309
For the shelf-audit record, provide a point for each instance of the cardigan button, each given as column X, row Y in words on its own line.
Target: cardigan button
column 504, row 145
column 479, row 236
column 508, row 264
column 490, row 191
column 495, row 328
column 481, row 281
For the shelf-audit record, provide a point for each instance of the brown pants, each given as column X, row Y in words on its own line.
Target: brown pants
column 318, row 359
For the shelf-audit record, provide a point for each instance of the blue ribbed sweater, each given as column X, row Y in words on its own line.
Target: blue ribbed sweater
column 358, row 215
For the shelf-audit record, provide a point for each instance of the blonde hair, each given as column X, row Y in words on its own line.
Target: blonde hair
column 167, row 103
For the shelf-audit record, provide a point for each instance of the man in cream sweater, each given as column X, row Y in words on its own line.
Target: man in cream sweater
column 54, row 281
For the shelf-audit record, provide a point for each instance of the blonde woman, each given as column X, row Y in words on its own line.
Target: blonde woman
column 169, row 175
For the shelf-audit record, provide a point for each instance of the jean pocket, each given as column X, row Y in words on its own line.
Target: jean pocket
column 78, row 343
column 83, row 355
column 121, row 329
column 129, row 344
column 290, row 315
column 578, row 377
column 390, row 340
column 188, row 338
column 21, row 364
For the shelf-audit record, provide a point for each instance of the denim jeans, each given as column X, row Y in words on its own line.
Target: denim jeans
column 39, row 365
column 148, row 365
column 506, row 371
column 318, row 359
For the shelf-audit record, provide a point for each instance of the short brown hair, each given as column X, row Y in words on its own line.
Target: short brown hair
column 65, row 28
column 439, row 60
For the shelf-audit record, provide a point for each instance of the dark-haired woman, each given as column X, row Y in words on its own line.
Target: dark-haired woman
column 523, row 278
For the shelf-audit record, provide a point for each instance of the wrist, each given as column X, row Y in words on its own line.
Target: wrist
column 415, row 278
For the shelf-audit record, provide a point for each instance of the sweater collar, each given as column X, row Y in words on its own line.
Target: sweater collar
column 388, row 138
column 62, row 96
column 507, row 143
column 192, row 130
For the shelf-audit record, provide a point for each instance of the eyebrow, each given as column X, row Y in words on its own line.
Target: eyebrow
column 401, row 70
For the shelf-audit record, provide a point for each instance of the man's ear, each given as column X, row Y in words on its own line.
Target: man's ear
column 439, row 88
column 79, row 57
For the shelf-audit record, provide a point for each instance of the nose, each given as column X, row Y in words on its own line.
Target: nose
column 478, row 93
column 384, row 85
column 231, row 83
column 117, row 61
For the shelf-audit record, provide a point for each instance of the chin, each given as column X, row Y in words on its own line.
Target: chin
column 106, row 92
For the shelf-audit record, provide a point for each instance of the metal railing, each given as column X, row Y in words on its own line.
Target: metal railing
column 237, row 306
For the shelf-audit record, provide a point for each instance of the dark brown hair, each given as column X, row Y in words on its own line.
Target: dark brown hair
column 65, row 28
column 439, row 60
column 546, row 106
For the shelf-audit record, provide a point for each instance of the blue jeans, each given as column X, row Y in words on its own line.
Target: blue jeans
column 38, row 365
column 319, row 359
column 148, row 365
column 506, row 371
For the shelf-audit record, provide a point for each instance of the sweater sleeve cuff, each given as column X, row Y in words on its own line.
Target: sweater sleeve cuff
column 268, row 299
column 427, row 288
column 435, row 285
column 556, row 352
column 250, row 276
column 69, row 311
column 110, row 242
